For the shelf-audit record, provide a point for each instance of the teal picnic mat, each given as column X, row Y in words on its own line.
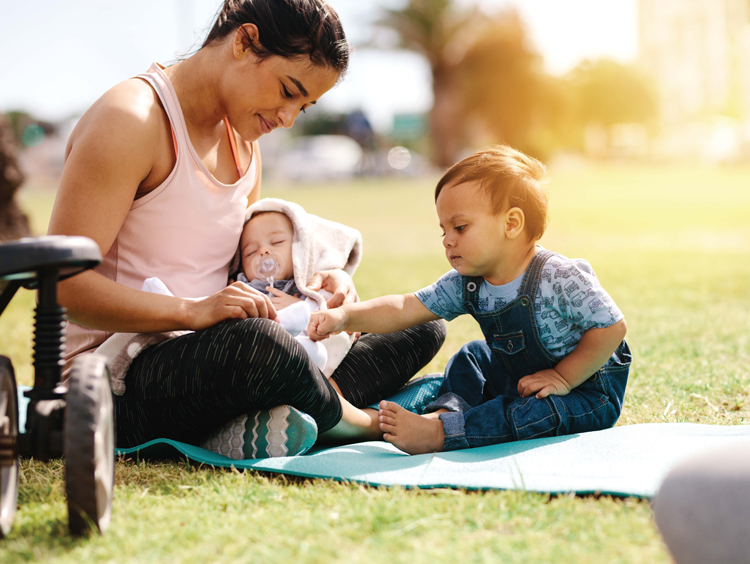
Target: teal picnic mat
column 627, row 460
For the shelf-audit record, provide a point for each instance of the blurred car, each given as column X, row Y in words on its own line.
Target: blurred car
column 319, row 157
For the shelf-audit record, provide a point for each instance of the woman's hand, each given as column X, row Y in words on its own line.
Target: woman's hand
column 338, row 283
column 237, row 301
column 280, row 300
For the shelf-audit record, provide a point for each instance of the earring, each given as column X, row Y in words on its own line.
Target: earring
column 237, row 41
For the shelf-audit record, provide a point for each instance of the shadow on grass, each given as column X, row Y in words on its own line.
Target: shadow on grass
column 40, row 538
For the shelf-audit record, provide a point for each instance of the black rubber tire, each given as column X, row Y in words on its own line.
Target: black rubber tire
column 9, row 438
column 89, row 446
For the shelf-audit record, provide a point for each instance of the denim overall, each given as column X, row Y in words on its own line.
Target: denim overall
column 480, row 389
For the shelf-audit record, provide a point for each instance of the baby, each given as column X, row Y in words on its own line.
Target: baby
column 266, row 255
column 281, row 247
column 553, row 361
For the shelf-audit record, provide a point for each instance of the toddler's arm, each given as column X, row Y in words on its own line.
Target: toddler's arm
column 591, row 353
column 381, row 315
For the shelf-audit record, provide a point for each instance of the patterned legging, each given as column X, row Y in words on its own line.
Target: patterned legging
column 184, row 388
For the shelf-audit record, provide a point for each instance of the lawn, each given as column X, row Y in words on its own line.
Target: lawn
column 670, row 244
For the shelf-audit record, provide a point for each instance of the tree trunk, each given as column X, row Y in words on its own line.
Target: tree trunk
column 446, row 121
column 13, row 222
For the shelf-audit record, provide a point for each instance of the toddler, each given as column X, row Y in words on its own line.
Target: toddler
column 553, row 361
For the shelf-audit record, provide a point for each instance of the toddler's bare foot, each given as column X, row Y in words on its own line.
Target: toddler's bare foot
column 410, row 432
column 373, row 428
column 355, row 425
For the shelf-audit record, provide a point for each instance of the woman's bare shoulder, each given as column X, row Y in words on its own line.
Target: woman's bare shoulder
column 129, row 113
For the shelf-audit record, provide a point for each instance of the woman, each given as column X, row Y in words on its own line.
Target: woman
column 159, row 172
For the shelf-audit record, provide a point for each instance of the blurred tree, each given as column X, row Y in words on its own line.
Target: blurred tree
column 321, row 123
column 489, row 84
column 441, row 32
column 606, row 100
column 607, row 93
column 13, row 223
column 18, row 121
column 505, row 90
column 26, row 128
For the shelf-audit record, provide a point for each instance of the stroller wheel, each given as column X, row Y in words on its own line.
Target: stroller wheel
column 8, row 446
column 89, row 446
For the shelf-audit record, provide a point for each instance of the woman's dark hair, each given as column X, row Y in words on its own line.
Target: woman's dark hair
column 287, row 28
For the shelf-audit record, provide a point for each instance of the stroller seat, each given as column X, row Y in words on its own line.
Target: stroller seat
column 21, row 260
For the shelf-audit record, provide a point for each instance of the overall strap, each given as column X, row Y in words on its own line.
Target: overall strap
column 470, row 286
column 533, row 275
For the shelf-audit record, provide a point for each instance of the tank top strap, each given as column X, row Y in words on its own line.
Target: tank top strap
column 158, row 81
column 233, row 147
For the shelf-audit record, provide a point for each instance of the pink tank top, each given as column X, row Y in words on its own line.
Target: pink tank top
column 184, row 232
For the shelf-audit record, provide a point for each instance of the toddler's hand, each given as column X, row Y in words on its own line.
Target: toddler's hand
column 324, row 323
column 280, row 300
column 543, row 383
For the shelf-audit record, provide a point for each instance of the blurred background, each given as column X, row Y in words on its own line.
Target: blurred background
column 430, row 80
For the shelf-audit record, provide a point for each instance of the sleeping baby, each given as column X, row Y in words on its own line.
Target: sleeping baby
column 267, row 250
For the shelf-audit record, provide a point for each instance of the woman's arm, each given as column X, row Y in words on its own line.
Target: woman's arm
column 117, row 149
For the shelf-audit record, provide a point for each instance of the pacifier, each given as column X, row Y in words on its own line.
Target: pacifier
column 267, row 267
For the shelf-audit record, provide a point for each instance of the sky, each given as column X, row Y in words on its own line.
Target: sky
column 58, row 56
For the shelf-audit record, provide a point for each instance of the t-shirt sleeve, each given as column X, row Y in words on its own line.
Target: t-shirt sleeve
column 571, row 289
column 444, row 297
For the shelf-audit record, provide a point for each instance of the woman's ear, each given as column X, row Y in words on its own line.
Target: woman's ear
column 245, row 36
column 515, row 221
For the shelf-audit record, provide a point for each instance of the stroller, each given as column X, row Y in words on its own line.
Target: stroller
column 76, row 421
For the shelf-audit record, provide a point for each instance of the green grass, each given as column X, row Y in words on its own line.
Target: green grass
column 669, row 244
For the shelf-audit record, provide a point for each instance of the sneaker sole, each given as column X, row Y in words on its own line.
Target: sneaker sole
column 273, row 433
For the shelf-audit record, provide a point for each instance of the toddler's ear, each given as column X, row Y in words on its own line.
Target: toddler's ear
column 514, row 222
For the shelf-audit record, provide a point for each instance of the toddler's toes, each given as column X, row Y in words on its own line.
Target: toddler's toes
column 390, row 408
column 386, row 417
column 387, row 428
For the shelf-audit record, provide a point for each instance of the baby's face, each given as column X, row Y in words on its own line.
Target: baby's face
column 268, row 235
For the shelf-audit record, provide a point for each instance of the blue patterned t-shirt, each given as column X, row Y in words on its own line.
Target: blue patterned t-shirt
column 569, row 301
